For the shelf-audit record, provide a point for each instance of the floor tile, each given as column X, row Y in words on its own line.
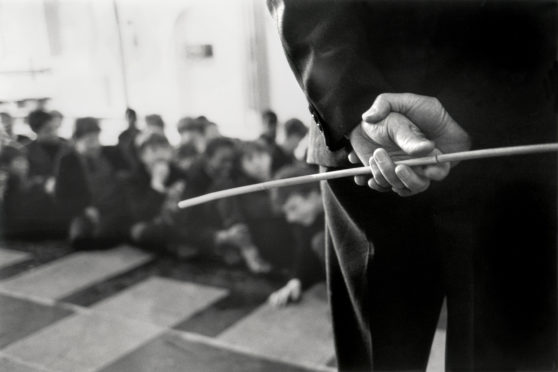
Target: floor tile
column 298, row 334
column 436, row 361
column 161, row 301
column 9, row 365
column 83, row 342
column 20, row 318
column 74, row 272
column 10, row 257
column 222, row 314
column 172, row 353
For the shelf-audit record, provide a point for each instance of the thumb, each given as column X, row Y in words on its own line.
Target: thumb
column 396, row 132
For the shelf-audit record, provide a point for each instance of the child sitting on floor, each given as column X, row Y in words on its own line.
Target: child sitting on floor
column 87, row 189
column 303, row 209
column 269, row 240
column 23, row 196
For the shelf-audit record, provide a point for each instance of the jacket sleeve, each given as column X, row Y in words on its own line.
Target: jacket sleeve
column 326, row 44
column 71, row 191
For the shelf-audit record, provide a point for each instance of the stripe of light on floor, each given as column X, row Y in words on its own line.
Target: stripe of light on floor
column 436, row 361
column 74, row 272
column 10, row 257
column 300, row 333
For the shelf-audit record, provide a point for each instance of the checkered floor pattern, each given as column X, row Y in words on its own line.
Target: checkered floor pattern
column 128, row 310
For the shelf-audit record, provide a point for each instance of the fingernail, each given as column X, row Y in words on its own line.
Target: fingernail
column 370, row 114
column 404, row 171
column 381, row 156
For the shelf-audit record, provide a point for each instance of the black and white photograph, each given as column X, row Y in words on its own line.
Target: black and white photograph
column 278, row 185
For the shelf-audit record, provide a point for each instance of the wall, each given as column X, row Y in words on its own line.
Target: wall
column 76, row 42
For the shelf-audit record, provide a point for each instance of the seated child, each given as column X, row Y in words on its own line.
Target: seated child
column 23, row 196
column 303, row 208
column 203, row 225
column 152, row 192
column 88, row 191
column 185, row 156
column 295, row 132
column 270, row 240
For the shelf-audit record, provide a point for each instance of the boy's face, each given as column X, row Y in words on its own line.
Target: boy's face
column 222, row 161
column 185, row 163
column 49, row 132
column 153, row 128
column 303, row 209
column 257, row 165
column 88, row 144
column 190, row 136
column 151, row 155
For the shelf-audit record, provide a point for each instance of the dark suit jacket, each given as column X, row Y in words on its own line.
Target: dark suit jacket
column 41, row 162
column 74, row 189
column 490, row 63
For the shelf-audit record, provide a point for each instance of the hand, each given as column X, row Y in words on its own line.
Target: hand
column 93, row 215
column 50, row 185
column 137, row 230
column 291, row 292
column 254, row 261
column 237, row 235
column 159, row 174
column 399, row 126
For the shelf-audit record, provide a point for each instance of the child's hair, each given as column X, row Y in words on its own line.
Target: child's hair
column 186, row 151
column 251, row 148
column 295, row 127
column 131, row 113
column 9, row 153
column 85, row 126
column 189, row 124
column 57, row 114
column 151, row 140
column 269, row 116
column 282, row 194
column 155, row 120
column 38, row 119
column 217, row 143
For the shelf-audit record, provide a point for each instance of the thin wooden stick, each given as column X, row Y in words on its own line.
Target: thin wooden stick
column 428, row 160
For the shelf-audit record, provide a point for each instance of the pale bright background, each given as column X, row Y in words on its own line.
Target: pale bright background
column 70, row 51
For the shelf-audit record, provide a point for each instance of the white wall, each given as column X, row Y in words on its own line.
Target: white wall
column 77, row 41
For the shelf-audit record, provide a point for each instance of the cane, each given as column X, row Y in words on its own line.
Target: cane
column 427, row 160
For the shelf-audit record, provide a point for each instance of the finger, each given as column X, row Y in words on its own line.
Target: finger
column 427, row 112
column 361, row 180
column 273, row 300
column 387, row 168
column 389, row 102
column 398, row 132
column 374, row 185
column 403, row 103
column 407, row 136
column 377, row 174
column 411, row 180
column 353, row 158
column 282, row 299
column 437, row 172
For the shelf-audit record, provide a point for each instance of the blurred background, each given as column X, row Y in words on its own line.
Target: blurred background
column 113, row 111
column 175, row 58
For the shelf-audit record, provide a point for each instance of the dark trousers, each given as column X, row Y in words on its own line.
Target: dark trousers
column 488, row 246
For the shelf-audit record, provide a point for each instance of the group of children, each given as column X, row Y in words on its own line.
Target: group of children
column 100, row 196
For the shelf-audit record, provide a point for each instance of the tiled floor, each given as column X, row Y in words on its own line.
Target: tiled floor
column 127, row 310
